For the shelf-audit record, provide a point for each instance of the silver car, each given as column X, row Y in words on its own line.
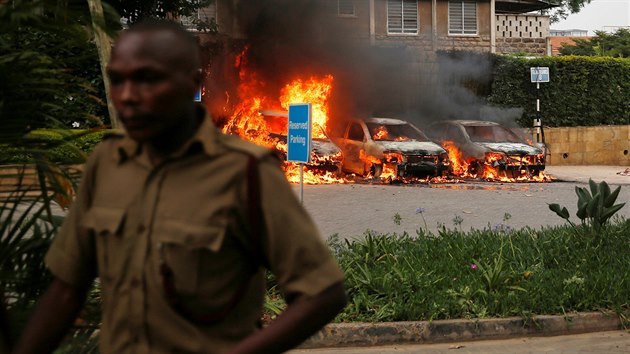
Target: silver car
column 483, row 143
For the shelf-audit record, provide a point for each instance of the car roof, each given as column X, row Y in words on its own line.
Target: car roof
column 388, row 121
column 470, row 122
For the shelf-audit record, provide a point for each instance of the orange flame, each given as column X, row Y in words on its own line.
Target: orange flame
column 314, row 91
column 248, row 121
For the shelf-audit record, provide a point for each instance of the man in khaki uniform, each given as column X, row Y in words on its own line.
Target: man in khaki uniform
column 176, row 220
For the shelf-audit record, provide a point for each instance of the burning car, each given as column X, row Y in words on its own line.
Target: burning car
column 376, row 145
column 325, row 155
column 487, row 149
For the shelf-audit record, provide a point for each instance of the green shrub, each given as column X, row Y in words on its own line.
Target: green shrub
column 583, row 91
column 62, row 146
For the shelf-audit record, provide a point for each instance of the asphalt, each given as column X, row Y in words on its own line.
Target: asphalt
column 570, row 333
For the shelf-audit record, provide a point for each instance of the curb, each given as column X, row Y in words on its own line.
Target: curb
column 444, row 331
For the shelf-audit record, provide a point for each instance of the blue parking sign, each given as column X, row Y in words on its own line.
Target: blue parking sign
column 198, row 95
column 539, row 74
column 299, row 133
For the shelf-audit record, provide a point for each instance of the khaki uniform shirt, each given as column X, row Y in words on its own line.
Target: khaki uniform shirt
column 189, row 212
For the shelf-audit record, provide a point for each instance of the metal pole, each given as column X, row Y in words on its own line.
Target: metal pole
column 541, row 131
column 301, row 183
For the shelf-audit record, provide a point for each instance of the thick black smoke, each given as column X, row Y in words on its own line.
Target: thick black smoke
column 299, row 38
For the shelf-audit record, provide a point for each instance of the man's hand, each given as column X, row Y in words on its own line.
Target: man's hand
column 301, row 319
column 53, row 316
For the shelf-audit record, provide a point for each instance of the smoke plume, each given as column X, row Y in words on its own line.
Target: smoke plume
column 289, row 39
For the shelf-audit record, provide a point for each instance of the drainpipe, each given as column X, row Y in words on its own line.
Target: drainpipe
column 372, row 24
column 493, row 28
column 434, row 24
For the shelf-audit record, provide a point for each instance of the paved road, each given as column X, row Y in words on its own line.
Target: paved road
column 588, row 343
column 351, row 209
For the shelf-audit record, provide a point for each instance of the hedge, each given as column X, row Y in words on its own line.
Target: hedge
column 583, row 91
column 62, row 146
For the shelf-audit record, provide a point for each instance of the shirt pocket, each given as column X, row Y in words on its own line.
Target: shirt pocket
column 183, row 244
column 106, row 224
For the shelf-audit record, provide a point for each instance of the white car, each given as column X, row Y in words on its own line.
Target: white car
column 367, row 146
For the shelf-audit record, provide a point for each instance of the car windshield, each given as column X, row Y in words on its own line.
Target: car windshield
column 395, row 132
column 491, row 134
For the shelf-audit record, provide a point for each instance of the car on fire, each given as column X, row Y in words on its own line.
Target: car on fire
column 485, row 143
column 325, row 155
column 368, row 146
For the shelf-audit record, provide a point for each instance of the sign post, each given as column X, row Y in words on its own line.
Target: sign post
column 539, row 74
column 299, row 138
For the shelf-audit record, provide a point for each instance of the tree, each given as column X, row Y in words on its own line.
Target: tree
column 566, row 7
column 581, row 47
column 616, row 45
column 135, row 10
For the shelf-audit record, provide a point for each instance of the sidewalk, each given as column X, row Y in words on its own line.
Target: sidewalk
column 580, row 174
column 587, row 343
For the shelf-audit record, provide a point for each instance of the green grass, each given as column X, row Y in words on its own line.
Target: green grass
column 484, row 273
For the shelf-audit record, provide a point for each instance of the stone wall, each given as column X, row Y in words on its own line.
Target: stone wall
column 603, row 145
column 536, row 46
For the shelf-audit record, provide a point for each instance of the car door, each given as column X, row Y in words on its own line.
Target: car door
column 352, row 145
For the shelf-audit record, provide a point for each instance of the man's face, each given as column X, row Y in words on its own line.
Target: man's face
column 151, row 88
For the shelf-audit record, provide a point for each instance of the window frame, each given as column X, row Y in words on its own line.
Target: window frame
column 402, row 18
column 462, row 30
column 348, row 2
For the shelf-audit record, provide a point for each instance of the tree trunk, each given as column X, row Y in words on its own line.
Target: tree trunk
column 104, row 45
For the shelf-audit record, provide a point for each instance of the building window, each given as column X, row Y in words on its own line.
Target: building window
column 402, row 16
column 462, row 17
column 345, row 8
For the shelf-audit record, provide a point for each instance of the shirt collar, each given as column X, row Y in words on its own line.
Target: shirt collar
column 207, row 136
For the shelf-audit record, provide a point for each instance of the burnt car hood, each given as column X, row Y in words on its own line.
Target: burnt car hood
column 512, row 148
column 323, row 147
column 411, row 147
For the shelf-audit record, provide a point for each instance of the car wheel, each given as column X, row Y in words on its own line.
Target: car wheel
column 475, row 168
column 375, row 170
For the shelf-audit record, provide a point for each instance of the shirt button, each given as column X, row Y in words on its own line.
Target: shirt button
column 141, row 228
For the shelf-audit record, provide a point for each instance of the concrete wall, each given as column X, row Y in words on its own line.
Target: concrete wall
column 603, row 145
column 522, row 34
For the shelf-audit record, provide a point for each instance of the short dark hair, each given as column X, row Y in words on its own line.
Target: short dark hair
column 156, row 25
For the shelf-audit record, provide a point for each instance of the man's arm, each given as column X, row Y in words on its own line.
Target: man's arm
column 301, row 319
column 52, row 317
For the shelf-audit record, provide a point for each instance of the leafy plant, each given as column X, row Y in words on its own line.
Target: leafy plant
column 482, row 273
column 397, row 219
column 27, row 226
column 595, row 207
column 615, row 45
